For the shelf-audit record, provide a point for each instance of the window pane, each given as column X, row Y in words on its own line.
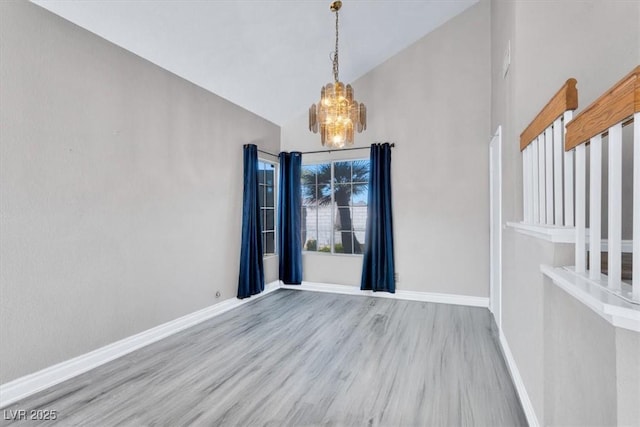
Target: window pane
column 360, row 171
column 269, row 173
column 261, row 166
column 343, row 242
column 359, row 194
column 359, row 217
column 309, row 194
column 342, row 194
column 342, row 172
column 269, row 224
column 324, row 194
column 344, row 218
column 270, row 195
column 261, row 194
column 308, row 174
column 310, row 240
column 358, row 242
column 309, row 218
column 324, row 240
column 324, row 173
column 270, row 246
column 325, row 221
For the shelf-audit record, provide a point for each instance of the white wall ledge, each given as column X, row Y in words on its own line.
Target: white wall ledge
column 612, row 308
column 561, row 234
column 551, row 233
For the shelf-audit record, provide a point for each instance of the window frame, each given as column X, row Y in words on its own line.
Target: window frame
column 276, row 176
column 334, row 208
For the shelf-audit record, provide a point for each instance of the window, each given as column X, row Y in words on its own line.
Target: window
column 267, row 196
column 334, row 206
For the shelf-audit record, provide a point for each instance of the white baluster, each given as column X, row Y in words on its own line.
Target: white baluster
column 595, row 206
column 525, row 184
column 635, row 268
column 531, row 175
column 541, row 179
column 568, row 175
column 536, row 181
column 615, row 206
column 557, row 171
column 548, row 150
column 580, row 209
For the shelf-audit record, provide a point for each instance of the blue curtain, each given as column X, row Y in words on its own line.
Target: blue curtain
column 378, row 271
column 251, row 279
column 289, row 213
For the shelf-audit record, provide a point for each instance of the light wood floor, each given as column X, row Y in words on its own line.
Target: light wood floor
column 304, row 358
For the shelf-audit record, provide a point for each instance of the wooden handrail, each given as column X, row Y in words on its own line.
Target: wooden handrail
column 565, row 99
column 617, row 104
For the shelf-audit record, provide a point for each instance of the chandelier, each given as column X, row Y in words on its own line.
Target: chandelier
column 337, row 115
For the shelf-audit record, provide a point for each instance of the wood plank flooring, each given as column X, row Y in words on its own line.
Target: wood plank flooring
column 627, row 265
column 303, row 358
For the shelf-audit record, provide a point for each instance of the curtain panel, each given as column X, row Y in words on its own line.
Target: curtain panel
column 251, row 280
column 289, row 217
column 378, row 269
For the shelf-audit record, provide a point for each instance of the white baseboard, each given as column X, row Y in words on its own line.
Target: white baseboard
column 20, row 388
column 527, row 406
column 400, row 294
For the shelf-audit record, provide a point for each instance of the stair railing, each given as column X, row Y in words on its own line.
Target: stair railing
column 547, row 170
column 606, row 116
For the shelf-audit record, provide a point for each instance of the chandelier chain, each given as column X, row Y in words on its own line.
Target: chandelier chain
column 335, row 55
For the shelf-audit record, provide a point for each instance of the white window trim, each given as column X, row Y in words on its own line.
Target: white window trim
column 276, row 186
column 333, row 232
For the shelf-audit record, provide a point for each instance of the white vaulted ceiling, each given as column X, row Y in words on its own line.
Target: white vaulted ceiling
column 270, row 57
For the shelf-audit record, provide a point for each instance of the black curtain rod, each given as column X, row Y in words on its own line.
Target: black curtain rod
column 342, row 149
column 266, row 152
column 327, row 151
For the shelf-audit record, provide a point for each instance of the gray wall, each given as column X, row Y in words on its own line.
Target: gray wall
column 592, row 369
column 433, row 100
column 597, row 42
column 580, row 363
column 628, row 376
column 121, row 192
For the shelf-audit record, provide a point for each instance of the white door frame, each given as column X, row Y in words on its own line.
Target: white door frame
column 495, row 226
